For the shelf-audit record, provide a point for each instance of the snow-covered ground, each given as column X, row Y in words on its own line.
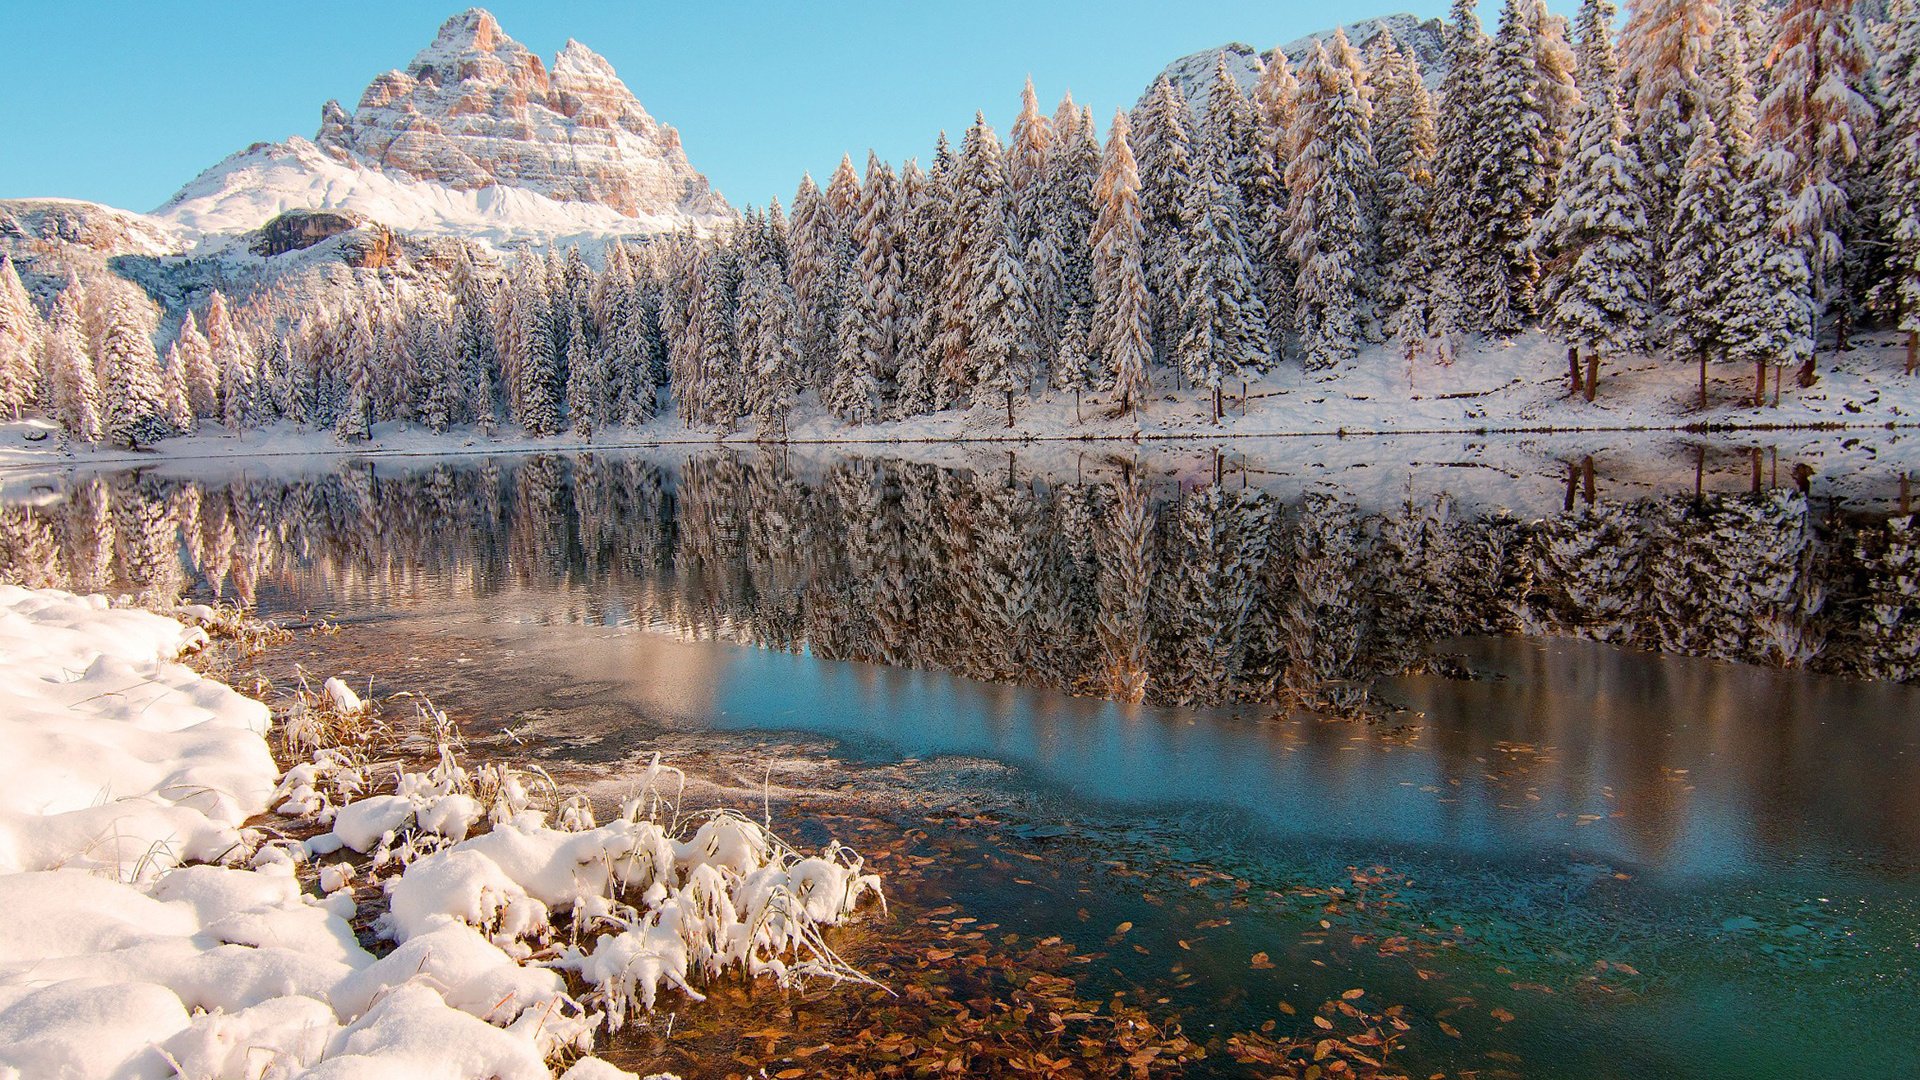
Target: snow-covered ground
column 150, row 932
column 1497, row 388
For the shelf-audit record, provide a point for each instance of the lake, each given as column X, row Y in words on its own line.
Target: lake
column 1604, row 761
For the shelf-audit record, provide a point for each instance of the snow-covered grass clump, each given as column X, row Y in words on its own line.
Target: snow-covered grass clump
column 151, row 932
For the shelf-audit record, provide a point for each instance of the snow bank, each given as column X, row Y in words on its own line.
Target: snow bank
column 150, row 933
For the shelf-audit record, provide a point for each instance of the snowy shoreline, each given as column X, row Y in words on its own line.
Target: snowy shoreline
column 1510, row 389
column 161, row 929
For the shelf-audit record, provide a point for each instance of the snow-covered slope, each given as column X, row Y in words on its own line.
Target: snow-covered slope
column 257, row 184
column 1424, row 38
column 476, row 138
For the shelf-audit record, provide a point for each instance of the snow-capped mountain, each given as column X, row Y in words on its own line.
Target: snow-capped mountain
column 1425, row 39
column 476, row 138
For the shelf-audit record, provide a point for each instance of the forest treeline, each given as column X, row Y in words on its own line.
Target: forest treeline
column 1720, row 181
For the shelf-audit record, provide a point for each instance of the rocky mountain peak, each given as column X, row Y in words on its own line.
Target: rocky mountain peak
column 476, row 109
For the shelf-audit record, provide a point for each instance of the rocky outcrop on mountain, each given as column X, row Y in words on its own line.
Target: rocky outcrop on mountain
column 1425, row 38
column 477, row 109
column 298, row 229
column 28, row 224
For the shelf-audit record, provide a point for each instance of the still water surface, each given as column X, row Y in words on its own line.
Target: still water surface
column 1689, row 847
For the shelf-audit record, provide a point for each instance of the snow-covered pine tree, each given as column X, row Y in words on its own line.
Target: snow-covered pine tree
column 1121, row 323
column 1075, row 368
column 1555, row 71
column 203, row 379
column 586, row 382
column 1224, row 320
column 19, row 343
column 1663, row 50
column 980, row 241
column 918, row 222
column 1030, row 138
column 681, row 289
column 1066, row 237
column 228, row 355
column 720, row 402
column 1331, row 165
column 1769, row 283
column 359, row 355
column 1518, row 147
column 1275, row 97
column 74, row 388
column 537, row 386
column 769, row 345
column 476, row 357
column 1594, row 237
column 129, row 377
column 1462, row 208
column 439, row 394
column 998, row 316
column 869, row 334
column 1697, row 252
column 812, row 251
column 1405, row 144
column 1818, row 112
column 173, row 391
column 1900, row 172
column 1166, row 168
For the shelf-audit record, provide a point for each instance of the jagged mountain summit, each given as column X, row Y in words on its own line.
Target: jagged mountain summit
column 1425, row 39
column 477, row 137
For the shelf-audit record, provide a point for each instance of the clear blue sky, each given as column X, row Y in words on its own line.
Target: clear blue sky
column 122, row 102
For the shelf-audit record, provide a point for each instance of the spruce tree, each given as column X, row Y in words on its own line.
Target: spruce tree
column 1405, row 144
column 870, row 332
column 129, row 378
column 75, row 390
column 919, row 222
column 537, row 386
column 228, row 356
column 1224, row 319
column 1513, row 172
column 173, row 390
column 1075, row 368
column 1331, row 163
column 1900, row 171
column 769, row 345
column 813, row 270
column 981, row 243
column 1462, row 211
column 1275, row 98
column 19, row 343
column 586, row 383
column 1121, row 321
column 1697, row 254
column 1817, row 117
column 1161, row 123
column 1594, row 237
column 203, row 379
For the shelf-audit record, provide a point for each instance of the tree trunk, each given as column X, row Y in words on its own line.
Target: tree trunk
column 1573, row 485
column 1216, row 406
column 1009, row 408
column 1573, row 369
column 1593, row 373
column 1913, row 351
column 1780, row 376
column 1703, row 380
column 1755, row 454
column 1699, row 470
column 1808, row 374
column 1759, row 383
column 1586, row 480
column 1906, row 493
column 1076, row 406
